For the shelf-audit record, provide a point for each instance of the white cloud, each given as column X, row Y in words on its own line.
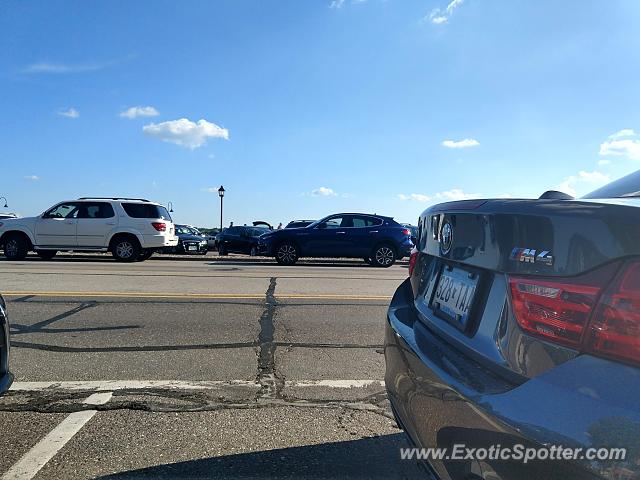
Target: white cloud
column 446, row 196
column 466, row 143
column 336, row 3
column 52, row 68
column 33, row 178
column 604, row 162
column 455, row 194
column 625, row 132
column 438, row 17
column 416, row 197
column 135, row 112
column 578, row 183
column 69, row 113
column 628, row 147
column 211, row 189
column 323, row 192
column 453, row 5
column 186, row 133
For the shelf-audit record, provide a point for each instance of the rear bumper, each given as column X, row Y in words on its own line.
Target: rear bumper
column 443, row 398
column 188, row 248
column 158, row 241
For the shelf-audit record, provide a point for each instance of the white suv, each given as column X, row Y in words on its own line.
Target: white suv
column 130, row 228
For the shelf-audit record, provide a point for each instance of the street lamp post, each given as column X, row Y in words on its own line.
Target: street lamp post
column 170, row 205
column 5, row 202
column 221, row 194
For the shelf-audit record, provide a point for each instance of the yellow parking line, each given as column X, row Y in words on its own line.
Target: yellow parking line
column 255, row 296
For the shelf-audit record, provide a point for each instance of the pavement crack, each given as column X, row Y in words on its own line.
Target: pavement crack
column 271, row 385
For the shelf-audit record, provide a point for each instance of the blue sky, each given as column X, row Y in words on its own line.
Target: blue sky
column 305, row 108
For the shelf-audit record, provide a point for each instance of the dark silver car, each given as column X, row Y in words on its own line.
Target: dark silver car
column 519, row 328
column 5, row 376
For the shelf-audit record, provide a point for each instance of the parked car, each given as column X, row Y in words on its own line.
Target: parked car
column 414, row 231
column 131, row 229
column 378, row 240
column 520, row 325
column 216, row 239
column 240, row 240
column 7, row 215
column 299, row 223
column 190, row 241
column 211, row 238
column 5, row 375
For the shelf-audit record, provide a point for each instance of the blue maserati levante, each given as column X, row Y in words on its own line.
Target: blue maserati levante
column 379, row 240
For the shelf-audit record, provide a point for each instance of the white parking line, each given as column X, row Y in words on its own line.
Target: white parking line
column 114, row 385
column 32, row 462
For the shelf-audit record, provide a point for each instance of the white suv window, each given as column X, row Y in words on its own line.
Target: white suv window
column 64, row 210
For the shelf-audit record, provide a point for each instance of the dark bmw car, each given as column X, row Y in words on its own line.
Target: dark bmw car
column 190, row 241
column 520, row 325
column 379, row 240
column 5, row 376
column 240, row 240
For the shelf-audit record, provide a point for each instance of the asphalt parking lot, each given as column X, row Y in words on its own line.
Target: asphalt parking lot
column 205, row 367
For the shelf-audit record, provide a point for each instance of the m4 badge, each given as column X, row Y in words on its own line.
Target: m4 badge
column 531, row 255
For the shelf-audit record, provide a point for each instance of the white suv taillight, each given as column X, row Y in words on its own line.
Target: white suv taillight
column 159, row 226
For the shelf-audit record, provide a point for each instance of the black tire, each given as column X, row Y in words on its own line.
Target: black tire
column 16, row 247
column 125, row 249
column 46, row 254
column 222, row 251
column 383, row 256
column 254, row 252
column 367, row 260
column 145, row 255
column 287, row 253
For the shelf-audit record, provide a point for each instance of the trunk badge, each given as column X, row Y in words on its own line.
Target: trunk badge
column 531, row 255
column 446, row 238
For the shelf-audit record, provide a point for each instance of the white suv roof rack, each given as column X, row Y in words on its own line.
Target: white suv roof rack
column 115, row 198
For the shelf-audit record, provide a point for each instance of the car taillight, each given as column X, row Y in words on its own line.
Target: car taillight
column 553, row 310
column 598, row 313
column 615, row 329
column 406, row 231
column 159, row 226
column 413, row 259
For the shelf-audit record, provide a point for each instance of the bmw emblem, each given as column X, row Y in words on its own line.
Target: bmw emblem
column 446, row 238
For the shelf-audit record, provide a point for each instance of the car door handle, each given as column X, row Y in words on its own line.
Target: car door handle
column 70, row 222
column 373, row 231
column 341, row 233
column 111, row 223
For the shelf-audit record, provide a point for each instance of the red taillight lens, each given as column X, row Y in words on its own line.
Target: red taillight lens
column 159, row 226
column 598, row 313
column 552, row 310
column 413, row 259
column 615, row 328
column 406, row 232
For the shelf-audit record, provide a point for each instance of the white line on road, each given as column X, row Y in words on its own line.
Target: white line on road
column 114, row 385
column 32, row 462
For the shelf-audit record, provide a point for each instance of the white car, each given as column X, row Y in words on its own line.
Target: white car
column 130, row 228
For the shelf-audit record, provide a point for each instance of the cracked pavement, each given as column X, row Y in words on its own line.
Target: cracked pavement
column 286, row 383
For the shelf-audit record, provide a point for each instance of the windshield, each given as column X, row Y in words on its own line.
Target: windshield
column 257, row 231
column 625, row 187
column 184, row 230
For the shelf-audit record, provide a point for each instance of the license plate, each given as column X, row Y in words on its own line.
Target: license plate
column 454, row 294
column 193, row 247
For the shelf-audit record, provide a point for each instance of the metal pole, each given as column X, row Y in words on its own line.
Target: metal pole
column 221, row 199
